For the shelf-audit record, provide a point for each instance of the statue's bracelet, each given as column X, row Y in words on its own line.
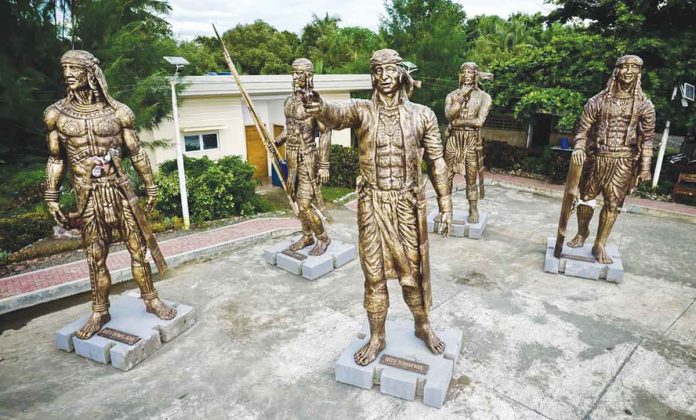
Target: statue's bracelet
column 52, row 196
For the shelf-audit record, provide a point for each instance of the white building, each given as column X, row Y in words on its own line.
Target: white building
column 215, row 123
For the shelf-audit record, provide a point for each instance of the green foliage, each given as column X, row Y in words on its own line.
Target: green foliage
column 431, row 34
column 19, row 231
column 337, row 50
column 256, row 48
column 557, row 101
column 343, row 166
column 501, row 155
column 334, row 193
column 216, row 190
column 663, row 33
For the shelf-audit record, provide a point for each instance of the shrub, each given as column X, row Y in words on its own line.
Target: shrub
column 216, row 190
column 344, row 166
column 498, row 154
column 19, row 231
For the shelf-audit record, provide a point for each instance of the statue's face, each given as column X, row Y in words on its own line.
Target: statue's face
column 75, row 76
column 386, row 78
column 300, row 79
column 467, row 76
column 628, row 73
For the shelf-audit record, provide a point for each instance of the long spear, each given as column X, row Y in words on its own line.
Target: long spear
column 260, row 127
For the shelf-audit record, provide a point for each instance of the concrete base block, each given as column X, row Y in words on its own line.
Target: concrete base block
column 579, row 262
column 312, row 267
column 127, row 315
column 460, row 226
column 398, row 382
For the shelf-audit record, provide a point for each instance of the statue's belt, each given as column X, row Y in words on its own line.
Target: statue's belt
column 451, row 128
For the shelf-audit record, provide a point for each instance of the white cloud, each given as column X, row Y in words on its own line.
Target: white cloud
column 190, row 18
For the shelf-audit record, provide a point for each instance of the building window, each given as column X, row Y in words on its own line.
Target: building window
column 197, row 142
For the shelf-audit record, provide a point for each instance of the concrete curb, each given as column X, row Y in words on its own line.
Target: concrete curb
column 25, row 300
column 630, row 208
column 545, row 192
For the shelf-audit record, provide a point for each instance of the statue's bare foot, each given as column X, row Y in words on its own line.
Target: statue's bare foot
column 320, row 247
column 601, row 255
column 160, row 309
column 432, row 341
column 578, row 241
column 368, row 353
column 304, row 241
column 93, row 325
column 473, row 216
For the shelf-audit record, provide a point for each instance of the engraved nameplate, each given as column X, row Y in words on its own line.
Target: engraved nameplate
column 119, row 336
column 295, row 255
column 579, row 258
column 405, row 364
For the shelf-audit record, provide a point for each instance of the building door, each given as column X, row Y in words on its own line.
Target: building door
column 256, row 152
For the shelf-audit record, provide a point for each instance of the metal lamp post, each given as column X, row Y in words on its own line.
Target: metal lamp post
column 179, row 63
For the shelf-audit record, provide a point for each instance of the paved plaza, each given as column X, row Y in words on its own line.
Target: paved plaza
column 536, row 345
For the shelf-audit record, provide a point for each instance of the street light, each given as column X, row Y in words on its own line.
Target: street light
column 179, row 63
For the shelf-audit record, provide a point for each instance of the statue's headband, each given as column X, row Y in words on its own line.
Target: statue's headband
column 303, row 64
column 79, row 57
column 629, row 59
column 385, row 56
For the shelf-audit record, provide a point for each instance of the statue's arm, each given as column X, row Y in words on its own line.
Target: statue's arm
column 433, row 153
column 55, row 167
column 283, row 136
column 339, row 115
column 324, row 145
column 646, row 133
column 452, row 107
column 138, row 157
column 481, row 115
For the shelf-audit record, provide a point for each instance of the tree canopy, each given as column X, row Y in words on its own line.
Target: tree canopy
column 549, row 64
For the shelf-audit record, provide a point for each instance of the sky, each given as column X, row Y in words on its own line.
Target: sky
column 190, row 18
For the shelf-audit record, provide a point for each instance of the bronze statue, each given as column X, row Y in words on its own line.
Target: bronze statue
column 392, row 228
column 308, row 166
column 86, row 133
column 613, row 144
column 466, row 110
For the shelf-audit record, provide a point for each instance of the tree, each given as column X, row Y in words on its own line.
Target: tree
column 30, row 78
column 430, row 33
column 663, row 33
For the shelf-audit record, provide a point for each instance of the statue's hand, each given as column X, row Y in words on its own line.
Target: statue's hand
column 578, row 157
column 58, row 216
column 312, row 102
column 644, row 176
column 151, row 201
column 323, row 175
column 445, row 219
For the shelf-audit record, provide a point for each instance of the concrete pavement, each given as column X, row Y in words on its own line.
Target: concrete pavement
column 536, row 345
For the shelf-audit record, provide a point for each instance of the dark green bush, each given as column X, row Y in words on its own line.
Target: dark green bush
column 16, row 232
column 344, row 166
column 216, row 190
column 501, row 155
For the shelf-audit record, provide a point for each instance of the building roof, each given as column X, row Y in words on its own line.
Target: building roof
column 271, row 84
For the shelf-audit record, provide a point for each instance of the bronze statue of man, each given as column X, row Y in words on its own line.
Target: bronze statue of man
column 393, row 132
column 466, row 110
column 86, row 133
column 308, row 166
column 613, row 143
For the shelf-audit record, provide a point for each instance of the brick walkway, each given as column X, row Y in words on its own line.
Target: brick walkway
column 52, row 276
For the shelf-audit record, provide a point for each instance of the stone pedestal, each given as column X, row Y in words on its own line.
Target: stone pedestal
column 127, row 315
column 310, row 267
column 398, row 382
column 579, row 262
column 460, row 226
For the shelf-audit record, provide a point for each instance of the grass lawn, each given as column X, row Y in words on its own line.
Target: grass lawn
column 334, row 193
